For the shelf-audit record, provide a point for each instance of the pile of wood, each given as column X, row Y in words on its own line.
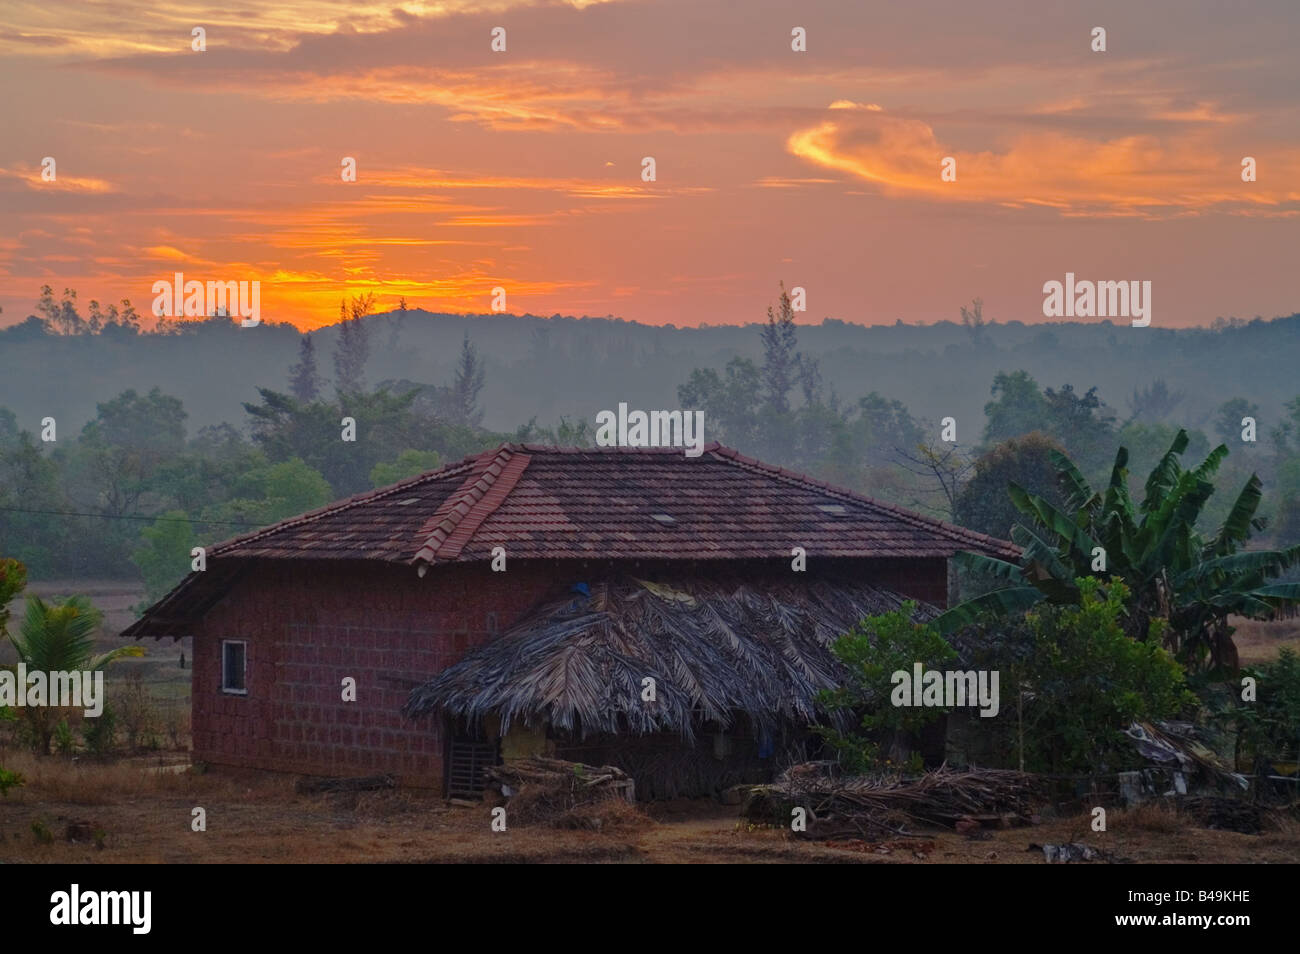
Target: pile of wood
column 1223, row 814
column 856, row 805
column 541, row 790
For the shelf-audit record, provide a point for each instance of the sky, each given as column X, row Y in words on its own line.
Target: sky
column 523, row 169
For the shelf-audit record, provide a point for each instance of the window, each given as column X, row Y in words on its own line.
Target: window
column 234, row 654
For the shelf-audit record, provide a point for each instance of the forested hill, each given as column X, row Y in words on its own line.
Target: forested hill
column 548, row 367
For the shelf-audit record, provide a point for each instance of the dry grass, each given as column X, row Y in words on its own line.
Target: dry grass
column 141, row 815
column 1259, row 642
column 1153, row 816
column 613, row 814
column 85, row 781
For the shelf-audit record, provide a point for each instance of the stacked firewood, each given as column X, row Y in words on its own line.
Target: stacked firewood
column 944, row 797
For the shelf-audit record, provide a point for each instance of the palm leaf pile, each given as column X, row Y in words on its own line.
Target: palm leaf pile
column 858, row 804
column 714, row 649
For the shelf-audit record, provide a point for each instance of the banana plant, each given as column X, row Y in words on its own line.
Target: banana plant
column 1172, row 570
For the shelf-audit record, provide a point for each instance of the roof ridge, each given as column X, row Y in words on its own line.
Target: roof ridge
column 952, row 530
column 463, row 512
column 620, row 449
column 338, row 505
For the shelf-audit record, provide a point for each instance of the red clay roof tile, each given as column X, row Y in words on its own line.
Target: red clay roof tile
column 592, row 503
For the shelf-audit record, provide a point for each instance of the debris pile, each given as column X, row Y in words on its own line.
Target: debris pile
column 838, row 806
column 539, row 790
column 1074, row 852
column 1224, row 814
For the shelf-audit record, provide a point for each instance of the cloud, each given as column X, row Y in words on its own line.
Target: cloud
column 30, row 177
column 1144, row 176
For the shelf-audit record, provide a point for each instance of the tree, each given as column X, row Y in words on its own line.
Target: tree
column 564, row 434
column 983, row 504
column 13, row 577
column 271, row 493
column 126, row 321
column 409, row 463
column 1154, row 402
column 1173, row 572
column 943, row 469
column 1083, row 681
column 780, row 360
column 28, row 484
column 304, row 379
column 1227, row 422
column 163, row 556
column 60, row 637
column 469, row 382
column 1017, row 408
column 61, row 315
column 395, row 324
column 972, row 320
column 1083, row 423
column 353, row 348
column 731, row 401
column 122, row 450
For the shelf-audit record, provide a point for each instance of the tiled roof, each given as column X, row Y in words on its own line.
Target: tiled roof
column 608, row 503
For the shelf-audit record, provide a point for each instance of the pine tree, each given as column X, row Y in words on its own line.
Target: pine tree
column 353, row 347
column 469, row 382
column 304, row 379
column 780, row 361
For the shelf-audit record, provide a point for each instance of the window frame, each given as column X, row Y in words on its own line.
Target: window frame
column 225, row 689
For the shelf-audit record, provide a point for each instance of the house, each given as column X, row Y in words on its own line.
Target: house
column 518, row 600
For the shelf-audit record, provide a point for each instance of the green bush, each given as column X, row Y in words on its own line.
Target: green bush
column 1269, row 728
column 99, row 733
column 1084, row 681
column 9, row 780
column 63, row 740
column 871, row 653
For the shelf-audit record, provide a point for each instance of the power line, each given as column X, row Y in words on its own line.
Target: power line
column 127, row 516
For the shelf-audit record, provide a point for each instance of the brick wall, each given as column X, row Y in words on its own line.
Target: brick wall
column 308, row 625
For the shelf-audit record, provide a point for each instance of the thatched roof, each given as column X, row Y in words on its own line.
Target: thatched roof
column 714, row 648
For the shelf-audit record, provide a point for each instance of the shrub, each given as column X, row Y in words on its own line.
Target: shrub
column 137, row 714
column 63, row 740
column 99, row 733
column 871, row 653
column 1084, row 681
column 1270, row 726
column 9, row 780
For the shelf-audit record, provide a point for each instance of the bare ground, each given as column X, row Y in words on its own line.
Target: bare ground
column 142, row 811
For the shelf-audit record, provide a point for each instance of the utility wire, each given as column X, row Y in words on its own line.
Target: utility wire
column 127, row 516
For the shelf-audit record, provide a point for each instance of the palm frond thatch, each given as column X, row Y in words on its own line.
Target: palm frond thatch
column 714, row 648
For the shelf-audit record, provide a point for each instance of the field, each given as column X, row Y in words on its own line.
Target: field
column 139, row 808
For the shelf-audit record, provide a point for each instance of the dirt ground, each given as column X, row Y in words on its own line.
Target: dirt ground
column 141, row 809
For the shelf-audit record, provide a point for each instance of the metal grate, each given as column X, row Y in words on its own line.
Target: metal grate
column 468, row 756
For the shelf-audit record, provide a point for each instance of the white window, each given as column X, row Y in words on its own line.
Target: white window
column 234, row 657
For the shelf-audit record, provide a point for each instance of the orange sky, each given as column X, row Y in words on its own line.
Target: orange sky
column 522, row 169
